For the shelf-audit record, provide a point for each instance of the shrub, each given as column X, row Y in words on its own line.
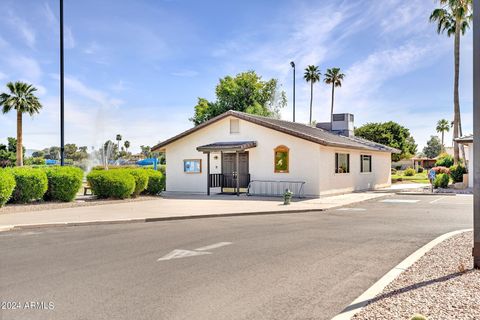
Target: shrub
column 420, row 169
column 457, row 172
column 444, row 160
column 393, row 171
column 141, row 180
column 63, row 183
column 34, row 161
column 31, row 184
column 439, row 170
column 418, row 317
column 156, row 182
column 7, row 185
column 409, row 172
column 441, row 181
column 111, row 183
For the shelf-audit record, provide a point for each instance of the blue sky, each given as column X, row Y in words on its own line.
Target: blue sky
column 137, row 67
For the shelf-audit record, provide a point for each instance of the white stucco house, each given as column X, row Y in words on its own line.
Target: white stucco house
column 238, row 152
column 468, row 141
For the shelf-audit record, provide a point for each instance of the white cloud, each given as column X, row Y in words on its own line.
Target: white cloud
column 24, row 67
column 54, row 23
column 185, row 73
column 21, row 26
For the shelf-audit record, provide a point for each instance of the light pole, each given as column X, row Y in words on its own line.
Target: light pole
column 476, row 134
column 62, row 115
column 293, row 66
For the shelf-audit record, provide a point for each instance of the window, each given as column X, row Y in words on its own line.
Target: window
column 192, row 166
column 342, row 163
column 281, row 159
column 365, row 163
column 234, row 126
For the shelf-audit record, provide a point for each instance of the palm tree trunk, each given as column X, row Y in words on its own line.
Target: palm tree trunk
column 443, row 134
column 333, row 98
column 456, row 102
column 311, row 101
column 19, row 140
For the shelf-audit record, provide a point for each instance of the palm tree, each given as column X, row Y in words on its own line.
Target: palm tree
column 23, row 100
column 453, row 17
column 118, row 138
column 334, row 77
column 442, row 127
column 312, row 75
column 126, row 145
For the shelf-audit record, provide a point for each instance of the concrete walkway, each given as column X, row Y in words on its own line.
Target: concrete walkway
column 173, row 207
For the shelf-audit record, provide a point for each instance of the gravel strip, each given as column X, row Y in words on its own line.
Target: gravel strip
column 441, row 285
column 82, row 202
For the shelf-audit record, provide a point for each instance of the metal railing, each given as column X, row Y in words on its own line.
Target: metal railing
column 275, row 188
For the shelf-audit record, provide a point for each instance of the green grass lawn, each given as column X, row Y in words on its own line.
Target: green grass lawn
column 417, row 178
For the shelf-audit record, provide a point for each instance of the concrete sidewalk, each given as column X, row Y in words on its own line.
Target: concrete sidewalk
column 172, row 208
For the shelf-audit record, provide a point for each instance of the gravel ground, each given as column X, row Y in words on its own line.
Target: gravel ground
column 447, row 190
column 442, row 285
column 79, row 202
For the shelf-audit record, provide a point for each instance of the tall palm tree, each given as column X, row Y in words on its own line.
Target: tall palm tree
column 118, row 138
column 454, row 17
column 312, row 75
column 334, row 77
column 126, row 144
column 443, row 126
column 22, row 99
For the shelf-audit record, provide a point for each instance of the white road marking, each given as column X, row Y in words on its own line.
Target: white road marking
column 213, row 246
column 179, row 253
column 400, row 201
column 351, row 209
column 438, row 199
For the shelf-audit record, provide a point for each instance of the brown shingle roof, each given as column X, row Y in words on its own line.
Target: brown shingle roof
column 296, row 129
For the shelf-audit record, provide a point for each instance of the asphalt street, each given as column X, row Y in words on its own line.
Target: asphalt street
column 287, row 266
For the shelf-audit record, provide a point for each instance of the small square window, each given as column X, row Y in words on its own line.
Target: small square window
column 342, row 163
column 234, row 126
column 365, row 163
column 192, row 166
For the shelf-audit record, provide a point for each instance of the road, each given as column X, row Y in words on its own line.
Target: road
column 288, row 266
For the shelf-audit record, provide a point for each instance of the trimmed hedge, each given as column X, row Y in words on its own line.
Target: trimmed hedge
column 156, row 182
column 111, row 183
column 457, row 172
column 441, row 181
column 63, row 183
column 7, row 185
column 141, row 180
column 31, row 184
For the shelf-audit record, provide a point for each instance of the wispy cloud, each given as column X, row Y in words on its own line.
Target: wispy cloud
column 24, row 67
column 185, row 73
column 22, row 27
column 54, row 23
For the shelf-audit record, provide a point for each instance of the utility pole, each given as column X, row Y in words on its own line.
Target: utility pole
column 293, row 66
column 62, row 94
column 476, row 134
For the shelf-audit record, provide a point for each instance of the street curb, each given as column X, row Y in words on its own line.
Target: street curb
column 358, row 304
column 145, row 220
column 171, row 218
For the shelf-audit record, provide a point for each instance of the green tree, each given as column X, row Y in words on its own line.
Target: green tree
column 334, row 77
column 118, row 138
column 433, row 148
column 312, row 75
column 454, row 17
column 38, row 154
column 442, row 127
column 22, row 99
column 246, row 92
column 390, row 134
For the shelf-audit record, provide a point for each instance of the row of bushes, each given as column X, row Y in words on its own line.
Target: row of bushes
column 122, row 183
column 23, row 184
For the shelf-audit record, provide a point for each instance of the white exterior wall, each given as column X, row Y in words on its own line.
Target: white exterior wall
column 309, row 162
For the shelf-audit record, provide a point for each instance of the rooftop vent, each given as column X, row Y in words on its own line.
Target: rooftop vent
column 342, row 123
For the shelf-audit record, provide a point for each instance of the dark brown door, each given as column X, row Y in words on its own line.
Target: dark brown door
column 230, row 172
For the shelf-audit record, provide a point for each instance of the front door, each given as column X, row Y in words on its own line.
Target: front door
column 231, row 174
